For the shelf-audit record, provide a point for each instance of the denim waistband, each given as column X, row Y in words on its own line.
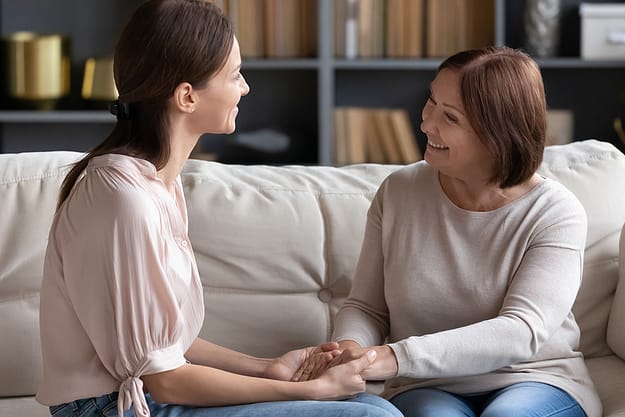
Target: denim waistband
column 80, row 406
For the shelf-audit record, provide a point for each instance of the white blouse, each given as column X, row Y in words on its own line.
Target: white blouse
column 121, row 295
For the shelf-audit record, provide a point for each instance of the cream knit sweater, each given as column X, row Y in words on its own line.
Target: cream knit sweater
column 471, row 301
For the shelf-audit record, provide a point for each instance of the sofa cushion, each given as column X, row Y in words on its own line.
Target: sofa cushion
column 594, row 170
column 608, row 374
column 275, row 248
column 22, row 407
column 616, row 323
column 29, row 184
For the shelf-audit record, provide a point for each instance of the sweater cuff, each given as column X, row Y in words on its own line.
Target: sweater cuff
column 402, row 354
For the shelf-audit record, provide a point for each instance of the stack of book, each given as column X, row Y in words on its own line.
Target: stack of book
column 273, row 28
column 411, row 28
column 376, row 135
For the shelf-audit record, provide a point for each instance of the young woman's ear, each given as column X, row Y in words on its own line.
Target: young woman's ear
column 184, row 98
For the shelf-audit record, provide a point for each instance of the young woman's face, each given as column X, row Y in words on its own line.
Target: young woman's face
column 218, row 109
column 453, row 147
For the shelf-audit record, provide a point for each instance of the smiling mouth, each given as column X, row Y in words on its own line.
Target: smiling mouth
column 437, row 146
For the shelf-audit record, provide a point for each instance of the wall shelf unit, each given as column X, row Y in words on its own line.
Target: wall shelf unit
column 298, row 96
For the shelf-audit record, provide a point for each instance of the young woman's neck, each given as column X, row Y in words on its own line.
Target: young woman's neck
column 180, row 150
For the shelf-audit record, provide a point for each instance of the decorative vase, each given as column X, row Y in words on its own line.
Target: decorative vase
column 38, row 69
column 542, row 27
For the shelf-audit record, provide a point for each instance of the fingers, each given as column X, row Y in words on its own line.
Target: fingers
column 313, row 366
column 327, row 347
column 365, row 360
column 347, row 376
column 304, row 369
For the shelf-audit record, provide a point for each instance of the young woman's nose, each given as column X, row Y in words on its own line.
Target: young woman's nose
column 245, row 88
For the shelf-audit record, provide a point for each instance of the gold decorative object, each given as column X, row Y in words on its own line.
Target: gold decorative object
column 98, row 82
column 38, row 68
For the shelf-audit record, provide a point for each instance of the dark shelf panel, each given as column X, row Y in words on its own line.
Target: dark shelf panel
column 56, row 116
column 280, row 64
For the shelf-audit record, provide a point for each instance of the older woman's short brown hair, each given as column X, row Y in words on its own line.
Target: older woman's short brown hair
column 504, row 97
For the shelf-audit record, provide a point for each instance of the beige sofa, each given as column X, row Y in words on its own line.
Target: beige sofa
column 276, row 247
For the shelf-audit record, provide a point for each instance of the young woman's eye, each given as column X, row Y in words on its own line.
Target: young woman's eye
column 451, row 118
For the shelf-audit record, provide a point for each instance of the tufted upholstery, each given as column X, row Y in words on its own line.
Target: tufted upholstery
column 275, row 248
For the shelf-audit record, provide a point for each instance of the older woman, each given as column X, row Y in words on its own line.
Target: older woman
column 471, row 261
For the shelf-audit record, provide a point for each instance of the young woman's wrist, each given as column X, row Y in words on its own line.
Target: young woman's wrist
column 313, row 389
column 259, row 367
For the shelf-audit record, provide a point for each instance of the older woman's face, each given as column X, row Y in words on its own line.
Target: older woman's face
column 453, row 147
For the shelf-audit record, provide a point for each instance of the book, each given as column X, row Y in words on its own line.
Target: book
column 340, row 136
column 405, row 136
column 283, row 21
column 308, row 32
column 340, row 20
column 386, row 135
column 356, row 143
column 249, row 26
column 395, row 31
column 373, row 142
column 413, row 28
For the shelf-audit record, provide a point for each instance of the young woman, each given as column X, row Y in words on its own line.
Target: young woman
column 471, row 261
column 121, row 299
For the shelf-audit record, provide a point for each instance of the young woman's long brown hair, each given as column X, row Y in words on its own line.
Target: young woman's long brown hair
column 174, row 41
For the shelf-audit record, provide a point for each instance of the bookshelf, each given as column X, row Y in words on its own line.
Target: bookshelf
column 297, row 96
column 593, row 90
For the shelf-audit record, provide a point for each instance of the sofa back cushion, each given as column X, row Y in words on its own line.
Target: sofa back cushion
column 276, row 247
column 594, row 172
column 29, row 185
column 616, row 323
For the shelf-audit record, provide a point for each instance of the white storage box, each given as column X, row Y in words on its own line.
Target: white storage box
column 602, row 31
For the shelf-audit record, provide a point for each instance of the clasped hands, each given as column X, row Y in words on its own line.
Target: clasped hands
column 311, row 363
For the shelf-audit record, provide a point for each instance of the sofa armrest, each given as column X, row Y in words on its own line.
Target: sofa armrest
column 616, row 323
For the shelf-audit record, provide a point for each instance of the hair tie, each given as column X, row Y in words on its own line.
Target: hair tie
column 120, row 110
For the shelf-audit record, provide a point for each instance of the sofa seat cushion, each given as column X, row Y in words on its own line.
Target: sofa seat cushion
column 22, row 407
column 608, row 374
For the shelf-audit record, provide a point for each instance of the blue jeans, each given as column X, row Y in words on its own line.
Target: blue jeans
column 363, row 405
column 525, row 399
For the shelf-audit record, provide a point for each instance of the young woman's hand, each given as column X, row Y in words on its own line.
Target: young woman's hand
column 286, row 366
column 344, row 380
